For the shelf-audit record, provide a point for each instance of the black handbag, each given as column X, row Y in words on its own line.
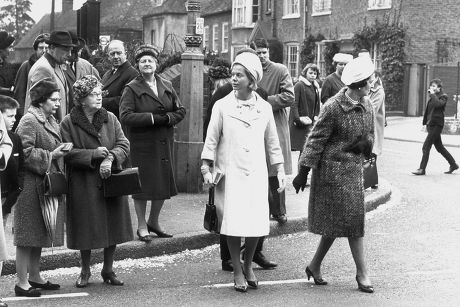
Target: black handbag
column 370, row 175
column 210, row 221
column 54, row 183
column 125, row 182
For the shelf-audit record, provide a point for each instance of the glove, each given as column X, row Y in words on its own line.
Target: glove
column 105, row 170
column 300, row 181
column 281, row 181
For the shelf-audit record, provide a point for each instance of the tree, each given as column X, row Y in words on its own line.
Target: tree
column 15, row 18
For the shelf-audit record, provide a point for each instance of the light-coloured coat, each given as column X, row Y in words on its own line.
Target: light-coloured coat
column 6, row 147
column 377, row 99
column 238, row 141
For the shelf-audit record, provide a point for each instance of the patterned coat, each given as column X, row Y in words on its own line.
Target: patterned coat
column 336, row 207
column 92, row 220
column 40, row 136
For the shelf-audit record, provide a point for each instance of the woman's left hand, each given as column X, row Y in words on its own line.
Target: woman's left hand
column 281, row 181
column 105, row 170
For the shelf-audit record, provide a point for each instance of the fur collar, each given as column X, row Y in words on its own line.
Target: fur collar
column 79, row 118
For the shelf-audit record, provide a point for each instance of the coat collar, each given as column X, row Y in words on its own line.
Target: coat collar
column 112, row 77
column 140, row 87
column 51, row 60
column 49, row 123
column 376, row 85
column 243, row 113
column 347, row 105
column 79, row 118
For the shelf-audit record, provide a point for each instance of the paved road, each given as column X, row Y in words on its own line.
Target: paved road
column 412, row 247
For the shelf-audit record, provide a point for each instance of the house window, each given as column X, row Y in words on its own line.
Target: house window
column 268, row 6
column 291, row 8
column 321, row 7
column 225, row 37
column 379, row 4
column 293, row 59
column 245, row 12
column 376, row 56
column 215, row 37
column 319, row 56
column 206, row 37
column 255, row 10
column 153, row 37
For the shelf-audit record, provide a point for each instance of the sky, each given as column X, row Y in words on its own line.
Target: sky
column 42, row 7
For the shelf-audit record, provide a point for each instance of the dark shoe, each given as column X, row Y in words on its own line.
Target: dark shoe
column 227, row 265
column 281, row 219
column 318, row 281
column 3, row 304
column 363, row 288
column 260, row 259
column 45, row 286
column 83, row 280
column 452, row 168
column 111, row 278
column 146, row 238
column 159, row 233
column 375, row 187
column 251, row 283
column 31, row 292
column 419, row 171
column 240, row 288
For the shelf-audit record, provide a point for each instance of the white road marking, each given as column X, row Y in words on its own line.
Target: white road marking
column 268, row 282
column 65, row 295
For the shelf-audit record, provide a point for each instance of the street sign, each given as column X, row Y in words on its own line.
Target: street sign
column 199, row 26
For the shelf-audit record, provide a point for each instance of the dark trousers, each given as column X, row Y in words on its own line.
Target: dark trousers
column 225, row 253
column 434, row 138
column 276, row 201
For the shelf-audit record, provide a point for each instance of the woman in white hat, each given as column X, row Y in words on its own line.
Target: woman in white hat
column 333, row 83
column 335, row 149
column 241, row 134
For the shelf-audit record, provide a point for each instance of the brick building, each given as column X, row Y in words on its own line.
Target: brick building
column 217, row 37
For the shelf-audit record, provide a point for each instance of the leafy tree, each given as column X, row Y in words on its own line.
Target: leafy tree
column 15, row 18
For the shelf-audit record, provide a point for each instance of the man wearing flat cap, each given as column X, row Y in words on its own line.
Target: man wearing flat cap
column 51, row 65
column 76, row 67
column 5, row 42
column 332, row 84
column 114, row 80
column 20, row 82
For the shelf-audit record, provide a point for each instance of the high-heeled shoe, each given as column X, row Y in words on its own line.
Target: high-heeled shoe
column 363, row 288
column 159, row 233
column 318, row 281
column 111, row 278
column 83, row 280
column 251, row 283
column 239, row 288
column 146, row 238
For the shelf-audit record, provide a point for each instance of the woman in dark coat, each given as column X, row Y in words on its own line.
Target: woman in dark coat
column 99, row 145
column 335, row 149
column 306, row 106
column 149, row 109
column 41, row 142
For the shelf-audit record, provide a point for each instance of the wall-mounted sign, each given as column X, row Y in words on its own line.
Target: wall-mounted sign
column 199, row 26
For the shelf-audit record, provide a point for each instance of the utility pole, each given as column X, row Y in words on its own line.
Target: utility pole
column 189, row 136
column 52, row 16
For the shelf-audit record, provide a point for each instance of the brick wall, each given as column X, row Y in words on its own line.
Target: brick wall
column 219, row 19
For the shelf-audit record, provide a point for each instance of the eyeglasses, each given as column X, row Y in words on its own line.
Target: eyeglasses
column 55, row 99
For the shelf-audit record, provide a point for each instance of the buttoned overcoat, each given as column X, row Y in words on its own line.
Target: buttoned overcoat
column 238, row 141
column 336, row 206
column 152, row 142
column 94, row 221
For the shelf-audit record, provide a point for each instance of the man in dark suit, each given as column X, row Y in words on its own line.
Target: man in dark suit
column 114, row 80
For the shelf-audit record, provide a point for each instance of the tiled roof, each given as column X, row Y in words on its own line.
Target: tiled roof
column 211, row 7
column 168, row 7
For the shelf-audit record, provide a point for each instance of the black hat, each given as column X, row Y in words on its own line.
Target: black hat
column 43, row 88
column 146, row 50
column 60, row 38
column 5, row 40
column 40, row 39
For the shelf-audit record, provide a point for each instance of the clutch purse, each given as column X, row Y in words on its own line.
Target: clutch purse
column 54, row 183
column 126, row 182
column 370, row 175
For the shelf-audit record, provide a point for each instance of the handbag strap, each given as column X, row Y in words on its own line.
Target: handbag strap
column 51, row 160
column 211, row 196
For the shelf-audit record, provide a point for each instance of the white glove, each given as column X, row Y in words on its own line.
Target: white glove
column 207, row 178
column 305, row 120
column 105, row 170
column 281, row 181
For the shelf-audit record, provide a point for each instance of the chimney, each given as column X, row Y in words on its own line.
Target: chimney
column 67, row 5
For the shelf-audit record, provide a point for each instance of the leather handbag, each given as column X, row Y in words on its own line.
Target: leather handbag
column 210, row 221
column 125, row 182
column 370, row 175
column 54, row 182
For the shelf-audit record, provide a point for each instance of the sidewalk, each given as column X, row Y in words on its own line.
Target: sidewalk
column 410, row 129
column 183, row 217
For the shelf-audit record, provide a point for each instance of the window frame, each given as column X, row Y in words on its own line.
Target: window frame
column 206, row 37
column 289, row 55
column 215, row 38
column 372, row 5
column 225, row 45
column 323, row 12
column 319, row 58
column 245, row 7
column 376, row 56
column 289, row 4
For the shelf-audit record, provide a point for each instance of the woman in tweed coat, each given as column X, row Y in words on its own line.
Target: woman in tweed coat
column 335, row 149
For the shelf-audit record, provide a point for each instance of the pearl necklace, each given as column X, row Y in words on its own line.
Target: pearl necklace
column 351, row 100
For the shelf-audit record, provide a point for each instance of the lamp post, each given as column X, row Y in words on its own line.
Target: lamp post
column 189, row 134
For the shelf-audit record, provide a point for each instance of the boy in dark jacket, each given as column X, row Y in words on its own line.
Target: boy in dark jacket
column 12, row 176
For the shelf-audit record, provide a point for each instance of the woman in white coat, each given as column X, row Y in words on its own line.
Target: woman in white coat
column 241, row 133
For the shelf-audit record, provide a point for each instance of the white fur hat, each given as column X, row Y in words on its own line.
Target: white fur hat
column 251, row 62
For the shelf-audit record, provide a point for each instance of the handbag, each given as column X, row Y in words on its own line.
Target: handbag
column 370, row 175
column 125, row 182
column 210, row 221
column 54, row 183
